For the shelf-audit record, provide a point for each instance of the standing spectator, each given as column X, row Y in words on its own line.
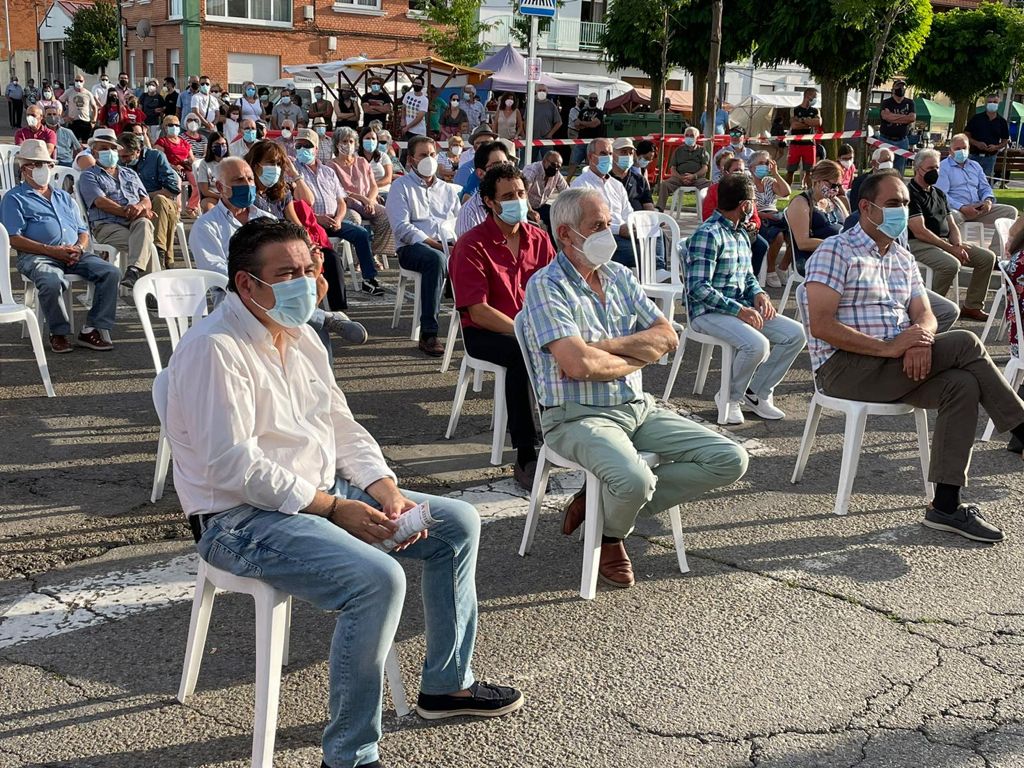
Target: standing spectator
column 204, row 105
column 475, row 109
column 348, row 110
column 58, row 89
column 184, row 105
column 968, row 191
column 171, row 96
column 15, row 101
column 454, row 121
column 31, row 93
column 360, row 187
column 546, row 119
column 81, row 109
column 415, row 104
column 935, row 239
column 49, row 99
column 162, row 185
column 249, row 104
column 122, row 90
column 597, row 176
column 35, row 128
column 737, row 148
column 508, row 120
column 591, row 126
column 490, row 267
column 544, row 182
column 805, row 121
column 725, row 300
column 638, row 190
column 320, row 107
column 100, row 90
column 68, row 144
column 572, row 130
column 377, row 103
column 46, row 229
column 988, row 133
column 152, row 104
column 422, row 209
column 897, row 117
column 437, row 106
column 721, row 120
column 285, row 110
column 687, row 168
column 846, row 162
column 265, row 104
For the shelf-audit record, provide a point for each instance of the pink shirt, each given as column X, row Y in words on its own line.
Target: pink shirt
column 42, row 132
column 357, row 179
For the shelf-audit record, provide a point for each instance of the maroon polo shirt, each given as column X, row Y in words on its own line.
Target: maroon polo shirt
column 484, row 271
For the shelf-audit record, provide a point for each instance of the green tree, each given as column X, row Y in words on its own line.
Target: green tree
column 634, row 38
column 452, row 30
column 93, row 39
column 520, row 28
column 969, row 53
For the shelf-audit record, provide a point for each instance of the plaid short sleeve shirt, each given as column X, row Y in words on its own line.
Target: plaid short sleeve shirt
column 559, row 304
column 875, row 290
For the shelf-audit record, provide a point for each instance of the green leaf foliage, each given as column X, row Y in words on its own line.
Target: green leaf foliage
column 452, row 29
column 633, row 35
column 93, row 39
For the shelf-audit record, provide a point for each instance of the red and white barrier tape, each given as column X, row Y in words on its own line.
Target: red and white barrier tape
column 909, row 154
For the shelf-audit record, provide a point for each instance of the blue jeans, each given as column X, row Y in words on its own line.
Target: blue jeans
column 987, row 163
column 316, row 322
column 756, row 364
column 48, row 276
column 359, row 237
column 898, row 163
column 430, row 263
column 314, row 560
column 758, row 250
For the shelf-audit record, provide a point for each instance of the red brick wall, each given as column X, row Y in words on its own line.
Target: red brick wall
column 23, row 31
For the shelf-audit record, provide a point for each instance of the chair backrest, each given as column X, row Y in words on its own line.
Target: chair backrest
column 520, row 325
column 177, row 294
column 702, row 193
column 6, row 294
column 160, row 384
column 973, row 232
column 1002, row 227
column 179, row 231
column 8, row 176
column 67, row 179
column 645, row 232
column 1013, row 305
column 801, row 312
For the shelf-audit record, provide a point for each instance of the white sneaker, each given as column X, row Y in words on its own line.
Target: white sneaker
column 782, row 275
column 733, row 414
column 773, row 280
column 763, row 407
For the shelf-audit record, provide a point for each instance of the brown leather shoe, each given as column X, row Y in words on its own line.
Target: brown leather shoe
column 615, row 569
column 524, row 475
column 973, row 314
column 575, row 511
column 431, row 345
column 59, row 344
column 94, row 340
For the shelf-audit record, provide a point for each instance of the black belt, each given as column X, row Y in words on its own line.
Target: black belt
column 198, row 524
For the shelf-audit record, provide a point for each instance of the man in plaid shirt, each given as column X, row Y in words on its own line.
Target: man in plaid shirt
column 590, row 330
column 873, row 337
column 725, row 301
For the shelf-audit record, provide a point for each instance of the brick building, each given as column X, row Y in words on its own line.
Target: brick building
column 24, row 18
column 237, row 40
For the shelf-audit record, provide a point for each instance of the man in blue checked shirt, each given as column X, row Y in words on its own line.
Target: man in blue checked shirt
column 726, row 301
column 590, row 330
column 873, row 337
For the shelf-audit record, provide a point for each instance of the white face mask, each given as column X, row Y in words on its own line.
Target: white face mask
column 32, row 121
column 41, row 175
column 455, row 151
column 846, row 163
column 542, row 95
column 285, row 133
column 427, row 167
column 192, row 126
column 885, row 166
column 599, row 248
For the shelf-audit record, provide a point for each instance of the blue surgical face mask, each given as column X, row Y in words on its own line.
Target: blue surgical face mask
column 286, row 100
column 370, row 145
column 249, row 135
column 204, row 88
column 243, row 195
column 250, row 92
column 294, row 301
column 689, row 140
column 305, row 155
column 992, row 106
column 321, row 130
column 960, row 155
column 513, row 211
column 269, row 175
column 173, row 130
column 625, row 162
column 107, row 158
column 604, row 164
column 761, row 171
column 894, row 221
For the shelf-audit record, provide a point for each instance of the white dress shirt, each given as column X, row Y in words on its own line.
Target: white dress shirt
column 417, row 212
column 613, row 192
column 250, row 427
column 208, row 240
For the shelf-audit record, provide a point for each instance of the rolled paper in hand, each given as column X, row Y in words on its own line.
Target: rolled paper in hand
column 410, row 522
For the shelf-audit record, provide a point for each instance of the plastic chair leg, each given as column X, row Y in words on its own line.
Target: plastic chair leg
column 415, row 335
column 37, row 348
column 163, row 460
column 540, row 485
column 500, row 420
column 399, row 300
column 270, row 625
column 997, row 302
column 449, row 342
column 393, row 673
column 460, row 396
column 854, row 436
column 785, row 294
column 676, row 363
column 921, row 420
column 706, row 350
column 593, row 525
column 478, row 380
column 202, row 607
column 810, row 430
column 677, row 537
column 287, row 632
column 724, row 387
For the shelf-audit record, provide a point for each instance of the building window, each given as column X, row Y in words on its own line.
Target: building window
column 150, row 65
column 417, row 7
column 365, row 5
column 173, row 9
column 269, row 12
column 56, row 66
column 174, row 64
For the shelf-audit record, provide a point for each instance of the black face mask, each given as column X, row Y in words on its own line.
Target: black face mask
column 930, row 177
column 550, row 170
column 194, row 86
column 593, row 102
column 417, row 87
column 899, row 92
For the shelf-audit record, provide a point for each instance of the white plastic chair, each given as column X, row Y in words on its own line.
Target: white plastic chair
column 408, row 277
column 795, row 278
column 1002, row 240
column 675, row 203
column 645, row 232
column 707, row 348
column 454, row 327
column 593, row 523
column 1014, row 370
column 8, row 176
column 273, row 630
column 177, row 325
column 13, row 312
column 179, row 235
column 344, row 248
column 476, row 368
column 856, row 413
column 702, row 193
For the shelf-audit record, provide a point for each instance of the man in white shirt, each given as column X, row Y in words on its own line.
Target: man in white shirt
column 600, row 157
column 416, row 106
column 99, row 91
column 280, row 482
column 421, row 209
column 245, row 140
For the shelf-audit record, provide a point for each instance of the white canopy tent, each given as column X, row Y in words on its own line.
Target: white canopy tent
column 754, row 113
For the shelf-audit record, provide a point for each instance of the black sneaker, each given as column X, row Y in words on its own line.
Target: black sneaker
column 486, row 700
column 1015, row 446
column 131, row 277
column 151, row 304
column 967, row 521
column 372, row 287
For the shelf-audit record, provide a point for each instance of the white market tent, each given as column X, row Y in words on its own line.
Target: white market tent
column 755, row 112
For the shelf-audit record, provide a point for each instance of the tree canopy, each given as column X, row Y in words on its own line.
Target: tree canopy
column 93, row 39
column 634, row 37
column 452, row 29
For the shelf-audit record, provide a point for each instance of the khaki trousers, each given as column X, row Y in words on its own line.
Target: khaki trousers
column 166, row 220
column 670, row 184
column 947, row 269
column 134, row 240
column 962, row 377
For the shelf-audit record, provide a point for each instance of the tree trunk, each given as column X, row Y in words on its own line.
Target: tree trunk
column 656, row 98
column 833, row 104
column 963, row 112
column 865, row 94
column 711, row 105
column 700, row 84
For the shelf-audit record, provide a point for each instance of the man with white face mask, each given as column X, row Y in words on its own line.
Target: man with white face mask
column 36, row 128
column 590, row 330
column 422, row 210
column 598, row 175
column 47, row 231
column 881, row 160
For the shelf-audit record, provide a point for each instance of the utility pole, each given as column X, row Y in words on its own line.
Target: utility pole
column 531, row 91
column 710, row 108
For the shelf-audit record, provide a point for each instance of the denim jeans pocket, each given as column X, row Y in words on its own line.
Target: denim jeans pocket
column 220, row 556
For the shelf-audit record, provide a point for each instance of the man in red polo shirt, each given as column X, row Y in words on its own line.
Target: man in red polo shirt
column 489, row 269
column 35, row 129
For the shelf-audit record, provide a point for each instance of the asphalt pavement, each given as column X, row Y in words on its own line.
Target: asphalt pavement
column 797, row 639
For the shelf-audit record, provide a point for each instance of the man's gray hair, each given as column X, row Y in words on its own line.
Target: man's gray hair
column 592, row 146
column 692, row 131
column 877, row 154
column 924, row 154
column 221, row 168
column 568, row 207
column 760, row 156
column 130, row 141
column 550, row 153
column 960, row 137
